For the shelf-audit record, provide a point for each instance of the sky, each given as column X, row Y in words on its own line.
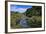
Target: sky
column 19, row 8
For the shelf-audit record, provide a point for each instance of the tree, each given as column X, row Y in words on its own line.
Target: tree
column 34, row 11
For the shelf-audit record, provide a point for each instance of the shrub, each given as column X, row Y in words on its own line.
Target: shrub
column 35, row 21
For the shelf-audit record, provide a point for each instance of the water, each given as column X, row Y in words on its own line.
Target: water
column 23, row 22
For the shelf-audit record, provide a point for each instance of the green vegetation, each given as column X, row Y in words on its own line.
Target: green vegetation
column 34, row 11
column 14, row 17
column 35, row 21
column 34, row 14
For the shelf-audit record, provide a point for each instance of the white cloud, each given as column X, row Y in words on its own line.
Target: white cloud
column 21, row 10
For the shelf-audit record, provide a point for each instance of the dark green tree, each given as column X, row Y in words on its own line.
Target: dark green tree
column 34, row 11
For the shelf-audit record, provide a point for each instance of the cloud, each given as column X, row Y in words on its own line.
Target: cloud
column 21, row 10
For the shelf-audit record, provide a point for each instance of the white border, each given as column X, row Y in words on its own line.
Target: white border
column 28, row 29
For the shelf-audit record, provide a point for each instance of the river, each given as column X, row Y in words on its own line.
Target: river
column 23, row 23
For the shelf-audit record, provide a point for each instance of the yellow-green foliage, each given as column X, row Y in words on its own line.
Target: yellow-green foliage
column 35, row 21
column 14, row 17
